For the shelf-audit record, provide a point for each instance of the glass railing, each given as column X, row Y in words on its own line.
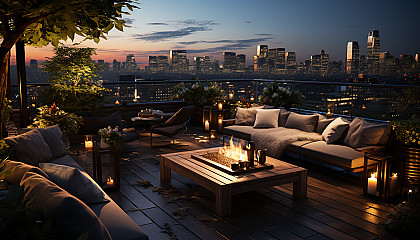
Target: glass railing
column 377, row 101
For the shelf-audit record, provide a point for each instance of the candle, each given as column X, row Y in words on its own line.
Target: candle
column 117, row 102
column 230, row 95
column 220, row 106
column 88, row 144
column 110, row 181
column 207, row 125
column 393, row 184
column 220, row 122
column 213, row 134
column 329, row 113
column 372, row 182
column 252, row 99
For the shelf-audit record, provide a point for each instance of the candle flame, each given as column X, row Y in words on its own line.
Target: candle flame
column 373, row 175
column 394, row 175
column 110, row 180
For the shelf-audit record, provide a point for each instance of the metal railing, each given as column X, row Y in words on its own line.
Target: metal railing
column 377, row 101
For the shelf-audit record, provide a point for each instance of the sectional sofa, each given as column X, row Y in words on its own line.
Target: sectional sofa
column 338, row 141
column 53, row 182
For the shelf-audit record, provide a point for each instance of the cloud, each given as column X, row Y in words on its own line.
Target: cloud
column 128, row 20
column 195, row 22
column 263, row 34
column 247, row 22
column 157, row 23
column 166, row 35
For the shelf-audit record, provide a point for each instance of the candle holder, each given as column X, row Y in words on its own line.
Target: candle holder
column 220, row 106
column 213, row 134
column 262, row 156
column 88, row 141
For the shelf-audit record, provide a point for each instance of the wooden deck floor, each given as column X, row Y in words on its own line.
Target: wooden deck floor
column 334, row 209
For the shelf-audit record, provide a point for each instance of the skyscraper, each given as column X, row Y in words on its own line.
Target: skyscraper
column 158, row 64
column 352, row 60
column 230, row 62
column 116, row 66
column 33, row 64
column 130, row 63
column 262, row 51
column 277, row 59
column 373, row 48
column 179, row 60
column 325, row 59
column 291, row 60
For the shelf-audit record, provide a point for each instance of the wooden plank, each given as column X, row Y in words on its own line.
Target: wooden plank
column 138, row 199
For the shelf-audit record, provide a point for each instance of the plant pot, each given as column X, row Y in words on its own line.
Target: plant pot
column 411, row 158
column 104, row 145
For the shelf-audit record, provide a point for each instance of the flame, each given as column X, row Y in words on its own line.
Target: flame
column 373, row 176
column 234, row 151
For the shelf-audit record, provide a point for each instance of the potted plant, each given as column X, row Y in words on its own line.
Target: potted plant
column 110, row 137
column 5, row 116
column 404, row 221
column 48, row 116
column 278, row 96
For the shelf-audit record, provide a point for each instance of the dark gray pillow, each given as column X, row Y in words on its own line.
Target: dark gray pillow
column 333, row 132
column 362, row 133
column 284, row 114
column 323, row 122
column 302, row 122
column 54, row 138
column 18, row 169
column 31, row 147
column 72, row 217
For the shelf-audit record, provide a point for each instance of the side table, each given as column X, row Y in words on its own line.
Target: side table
column 388, row 175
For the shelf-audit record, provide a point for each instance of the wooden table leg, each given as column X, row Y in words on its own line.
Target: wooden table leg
column 299, row 187
column 223, row 200
column 165, row 172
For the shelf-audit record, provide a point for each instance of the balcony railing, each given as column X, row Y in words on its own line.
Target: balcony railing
column 378, row 101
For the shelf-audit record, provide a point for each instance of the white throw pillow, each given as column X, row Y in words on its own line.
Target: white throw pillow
column 335, row 130
column 267, row 118
column 74, row 181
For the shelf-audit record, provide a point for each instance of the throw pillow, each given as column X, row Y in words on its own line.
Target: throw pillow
column 54, row 138
column 74, row 181
column 31, row 148
column 71, row 217
column 17, row 170
column 267, row 118
column 284, row 114
column 335, row 130
column 323, row 122
column 302, row 122
column 246, row 116
column 362, row 133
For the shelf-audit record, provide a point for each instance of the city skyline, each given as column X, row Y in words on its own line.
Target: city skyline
column 303, row 27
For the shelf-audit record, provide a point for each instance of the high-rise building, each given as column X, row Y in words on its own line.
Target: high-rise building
column 130, row 63
column 230, row 62
column 202, row 64
column 352, row 59
column 158, row 64
column 325, row 59
column 241, row 59
column 116, row 66
column 179, row 60
column 277, row 59
column 373, row 48
column 291, row 60
column 262, row 51
column 33, row 64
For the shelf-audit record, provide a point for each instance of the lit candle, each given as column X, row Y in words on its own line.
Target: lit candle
column 252, row 99
column 213, row 134
column 117, row 102
column 372, row 182
column 110, row 181
column 393, row 184
column 88, row 141
column 230, row 95
column 220, row 106
column 207, row 125
column 329, row 113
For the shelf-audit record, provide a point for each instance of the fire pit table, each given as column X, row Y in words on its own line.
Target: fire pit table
column 224, row 184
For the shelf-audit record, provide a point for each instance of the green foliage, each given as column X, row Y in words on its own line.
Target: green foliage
column 111, row 136
column 198, row 94
column 407, row 132
column 278, row 96
column 73, row 74
column 7, row 151
column 48, row 116
column 19, row 221
column 6, row 110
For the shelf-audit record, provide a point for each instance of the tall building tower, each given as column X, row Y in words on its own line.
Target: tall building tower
column 262, row 51
column 325, row 59
column 291, row 60
column 373, row 48
column 352, row 60
column 179, row 60
column 130, row 63
column 277, row 59
column 230, row 61
column 33, row 64
column 116, row 66
column 241, row 59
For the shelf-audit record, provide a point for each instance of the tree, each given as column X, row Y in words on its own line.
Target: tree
column 40, row 22
column 73, row 74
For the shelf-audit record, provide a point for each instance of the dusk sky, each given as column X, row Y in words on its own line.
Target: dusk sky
column 302, row 26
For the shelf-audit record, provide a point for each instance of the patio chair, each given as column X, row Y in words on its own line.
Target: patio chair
column 174, row 125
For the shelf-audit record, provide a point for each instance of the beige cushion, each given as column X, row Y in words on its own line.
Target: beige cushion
column 72, row 217
column 31, row 147
column 53, row 137
column 74, row 181
column 335, row 130
column 323, row 122
column 246, row 116
column 302, row 122
column 17, row 170
column 362, row 133
column 267, row 118
column 284, row 114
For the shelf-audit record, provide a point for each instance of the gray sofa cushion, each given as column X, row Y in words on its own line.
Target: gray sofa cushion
column 323, row 122
column 335, row 154
column 67, row 161
column 53, row 137
column 18, row 169
column 335, row 130
column 76, row 182
column 267, row 118
column 362, row 133
column 284, row 114
column 72, row 217
column 302, row 122
column 31, row 147
column 246, row 116
column 117, row 222
column 243, row 132
column 296, row 146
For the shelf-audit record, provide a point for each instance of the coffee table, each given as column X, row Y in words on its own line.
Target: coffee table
column 225, row 185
